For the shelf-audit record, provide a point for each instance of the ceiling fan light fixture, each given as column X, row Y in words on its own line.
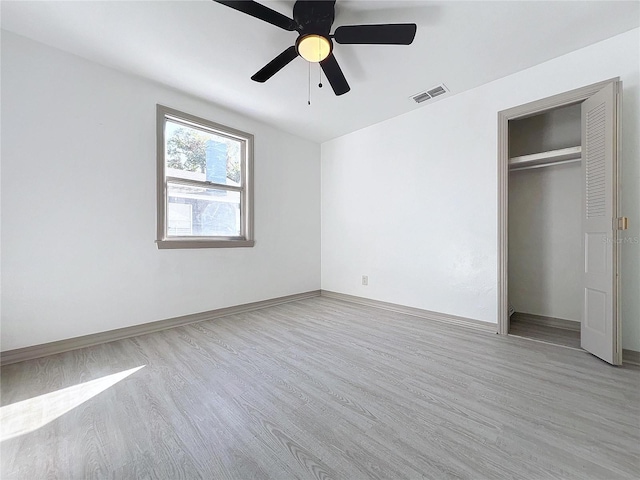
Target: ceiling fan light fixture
column 314, row 48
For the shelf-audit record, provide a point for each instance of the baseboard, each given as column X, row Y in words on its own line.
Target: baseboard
column 628, row 356
column 548, row 321
column 416, row 312
column 61, row 346
column 36, row 351
column 631, row 357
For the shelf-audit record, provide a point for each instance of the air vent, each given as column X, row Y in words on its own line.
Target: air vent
column 429, row 94
column 439, row 90
column 421, row 97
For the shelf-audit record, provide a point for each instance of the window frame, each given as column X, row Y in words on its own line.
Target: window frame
column 245, row 239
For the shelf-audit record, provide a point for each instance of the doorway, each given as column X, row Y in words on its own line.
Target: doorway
column 581, row 178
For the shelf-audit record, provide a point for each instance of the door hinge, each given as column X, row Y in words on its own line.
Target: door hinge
column 622, row 223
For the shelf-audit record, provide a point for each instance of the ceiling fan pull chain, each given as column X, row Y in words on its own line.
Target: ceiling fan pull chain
column 320, row 72
column 309, row 89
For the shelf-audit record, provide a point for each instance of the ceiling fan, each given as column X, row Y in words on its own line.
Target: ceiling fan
column 312, row 19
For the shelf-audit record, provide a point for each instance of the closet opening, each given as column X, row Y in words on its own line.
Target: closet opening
column 544, row 226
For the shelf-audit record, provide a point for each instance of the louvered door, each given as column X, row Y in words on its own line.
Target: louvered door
column 600, row 328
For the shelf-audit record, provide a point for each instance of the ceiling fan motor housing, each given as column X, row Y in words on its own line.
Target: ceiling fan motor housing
column 314, row 16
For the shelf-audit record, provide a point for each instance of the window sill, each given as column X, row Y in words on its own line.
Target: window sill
column 200, row 243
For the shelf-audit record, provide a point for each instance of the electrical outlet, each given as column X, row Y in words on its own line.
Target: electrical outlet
column 365, row 280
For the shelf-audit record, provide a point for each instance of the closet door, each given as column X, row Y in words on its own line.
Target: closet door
column 600, row 326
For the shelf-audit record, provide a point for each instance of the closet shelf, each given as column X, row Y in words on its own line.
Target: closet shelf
column 540, row 159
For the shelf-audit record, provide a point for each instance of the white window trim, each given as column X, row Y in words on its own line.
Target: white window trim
column 246, row 192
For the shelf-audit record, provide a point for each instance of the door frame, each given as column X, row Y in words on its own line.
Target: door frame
column 526, row 110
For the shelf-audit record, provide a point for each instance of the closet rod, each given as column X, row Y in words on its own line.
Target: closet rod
column 548, row 164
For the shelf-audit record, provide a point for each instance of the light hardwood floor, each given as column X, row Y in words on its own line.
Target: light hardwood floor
column 323, row 389
column 520, row 325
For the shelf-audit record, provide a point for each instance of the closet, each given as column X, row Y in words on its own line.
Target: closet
column 545, row 227
column 558, row 222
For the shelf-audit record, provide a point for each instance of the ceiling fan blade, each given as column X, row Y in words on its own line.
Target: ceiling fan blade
column 258, row 10
column 335, row 76
column 386, row 34
column 275, row 65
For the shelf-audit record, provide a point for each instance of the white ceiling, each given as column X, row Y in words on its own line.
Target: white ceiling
column 209, row 50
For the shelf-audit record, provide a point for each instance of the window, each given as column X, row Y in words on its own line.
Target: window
column 204, row 183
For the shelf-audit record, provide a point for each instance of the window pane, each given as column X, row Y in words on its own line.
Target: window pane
column 198, row 155
column 202, row 212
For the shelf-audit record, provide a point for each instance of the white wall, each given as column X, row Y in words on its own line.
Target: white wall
column 412, row 201
column 554, row 129
column 545, row 239
column 79, row 205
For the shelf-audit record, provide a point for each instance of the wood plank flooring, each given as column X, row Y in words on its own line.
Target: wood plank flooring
column 520, row 326
column 324, row 389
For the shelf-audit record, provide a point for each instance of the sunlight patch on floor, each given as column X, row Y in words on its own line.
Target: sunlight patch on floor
column 29, row 415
